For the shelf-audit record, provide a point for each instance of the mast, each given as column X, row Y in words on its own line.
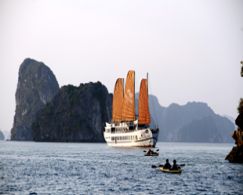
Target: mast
column 147, row 87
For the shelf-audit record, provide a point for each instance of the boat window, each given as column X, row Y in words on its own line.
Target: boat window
column 113, row 129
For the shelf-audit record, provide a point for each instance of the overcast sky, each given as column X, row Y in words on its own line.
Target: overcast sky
column 191, row 48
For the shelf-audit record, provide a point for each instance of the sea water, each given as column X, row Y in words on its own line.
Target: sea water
column 87, row 168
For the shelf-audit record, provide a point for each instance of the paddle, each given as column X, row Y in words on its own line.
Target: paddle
column 155, row 166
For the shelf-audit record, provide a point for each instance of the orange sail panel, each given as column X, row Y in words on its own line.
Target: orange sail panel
column 143, row 105
column 117, row 101
column 128, row 108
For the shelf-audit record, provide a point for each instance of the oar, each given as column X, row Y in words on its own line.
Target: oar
column 155, row 166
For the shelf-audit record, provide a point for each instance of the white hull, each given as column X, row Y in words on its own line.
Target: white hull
column 122, row 136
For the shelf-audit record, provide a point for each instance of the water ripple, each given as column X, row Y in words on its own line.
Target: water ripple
column 68, row 168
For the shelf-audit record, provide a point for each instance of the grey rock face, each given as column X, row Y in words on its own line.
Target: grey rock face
column 37, row 86
column 76, row 114
column 1, row 135
column 193, row 122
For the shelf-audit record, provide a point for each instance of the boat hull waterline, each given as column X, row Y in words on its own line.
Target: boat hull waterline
column 177, row 171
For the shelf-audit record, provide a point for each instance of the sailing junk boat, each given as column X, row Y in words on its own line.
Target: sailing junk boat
column 125, row 129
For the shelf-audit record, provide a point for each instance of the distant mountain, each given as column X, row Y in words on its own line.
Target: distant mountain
column 76, row 114
column 193, row 122
column 1, row 135
column 37, row 85
column 212, row 129
column 230, row 118
column 6, row 135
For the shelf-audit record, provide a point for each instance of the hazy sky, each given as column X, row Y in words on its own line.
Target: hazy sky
column 191, row 48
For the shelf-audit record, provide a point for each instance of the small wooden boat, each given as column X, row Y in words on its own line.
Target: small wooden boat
column 151, row 153
column 174, row 171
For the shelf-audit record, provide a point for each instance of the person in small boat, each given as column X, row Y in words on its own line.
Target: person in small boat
column 167, row 164
column 174, row 166
column 150, row 152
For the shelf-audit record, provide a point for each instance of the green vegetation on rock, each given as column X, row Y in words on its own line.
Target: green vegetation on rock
column 76, row 114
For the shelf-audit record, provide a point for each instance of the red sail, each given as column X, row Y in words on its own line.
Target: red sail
column 143, row 105
column 128, row 108
column 117, row 101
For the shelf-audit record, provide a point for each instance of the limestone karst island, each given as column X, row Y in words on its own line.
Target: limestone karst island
column 236, row 154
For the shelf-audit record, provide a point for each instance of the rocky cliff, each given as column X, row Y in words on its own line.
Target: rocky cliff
column 76, row 114
column 236, row 154
column 1, row 135
column 37, row 86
